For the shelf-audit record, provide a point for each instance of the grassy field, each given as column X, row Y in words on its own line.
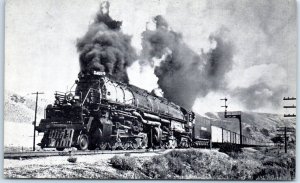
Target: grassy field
column 250, row 164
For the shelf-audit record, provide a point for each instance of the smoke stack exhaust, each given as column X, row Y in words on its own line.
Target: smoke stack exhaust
column 105, row 47
column 183, row 75
column 104, row 8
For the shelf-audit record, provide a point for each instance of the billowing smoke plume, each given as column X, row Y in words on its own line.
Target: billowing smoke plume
column 260, row 95
column 218, row 62
column 105, row 48
column 185, row 75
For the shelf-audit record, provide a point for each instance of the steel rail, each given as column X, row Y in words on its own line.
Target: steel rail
column 36, row 154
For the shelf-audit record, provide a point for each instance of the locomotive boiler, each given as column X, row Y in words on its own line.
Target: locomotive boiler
column 106, row 114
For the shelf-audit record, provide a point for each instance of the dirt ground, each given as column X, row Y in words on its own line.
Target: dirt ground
column 59, row 167
column 250, row 164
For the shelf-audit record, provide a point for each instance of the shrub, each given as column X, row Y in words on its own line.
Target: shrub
column 127, row 154
column 203, row 164
column 265, row 132
column 156, row 167
column 123, row 162
column 72, row 159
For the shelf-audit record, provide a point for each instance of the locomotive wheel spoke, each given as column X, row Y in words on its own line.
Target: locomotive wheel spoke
column 83, row 142
column 172, row 143
column 103, row 146
column 165, row 145
column 118, row 146
column 136, row 143
column 131, row 145
column 128, row 145
column 169, row 144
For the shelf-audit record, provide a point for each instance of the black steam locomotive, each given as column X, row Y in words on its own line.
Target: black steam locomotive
column 106, row 114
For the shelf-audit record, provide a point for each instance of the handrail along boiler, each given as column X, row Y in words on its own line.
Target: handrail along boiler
column 103, row 113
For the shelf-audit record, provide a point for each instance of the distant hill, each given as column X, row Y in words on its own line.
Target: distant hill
column 261, row 126
column 20, row 109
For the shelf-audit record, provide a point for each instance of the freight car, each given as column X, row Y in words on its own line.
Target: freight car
column 221, row 135
column 106, row 114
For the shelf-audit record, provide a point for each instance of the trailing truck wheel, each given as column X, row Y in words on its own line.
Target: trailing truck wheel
column 83, row 142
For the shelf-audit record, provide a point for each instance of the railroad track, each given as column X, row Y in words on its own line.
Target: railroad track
column 37, row 154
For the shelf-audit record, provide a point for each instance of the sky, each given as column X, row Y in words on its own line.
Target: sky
column 41, row 37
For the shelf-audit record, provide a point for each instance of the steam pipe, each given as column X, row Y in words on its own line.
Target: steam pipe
column 145, row 121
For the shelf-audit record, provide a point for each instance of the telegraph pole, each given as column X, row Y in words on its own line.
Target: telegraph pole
column 289, row 106
column 286, row 129
column 285, row 140
column 284, row 132
column 235, row 114
column 35, row 113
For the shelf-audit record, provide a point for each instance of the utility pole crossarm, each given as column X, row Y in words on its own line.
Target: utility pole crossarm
column 289, row 106
column 289, row 98
column 289, row 115
column 287, row 130
column 37, row 93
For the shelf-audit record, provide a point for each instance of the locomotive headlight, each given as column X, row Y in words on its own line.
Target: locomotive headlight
column 69, row 97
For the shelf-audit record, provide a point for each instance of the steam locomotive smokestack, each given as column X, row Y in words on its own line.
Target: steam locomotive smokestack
column 105, row 47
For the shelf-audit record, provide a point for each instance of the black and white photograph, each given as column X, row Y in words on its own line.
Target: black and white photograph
column 156, row 89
